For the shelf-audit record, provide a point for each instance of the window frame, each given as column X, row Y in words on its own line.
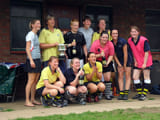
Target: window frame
column 21, row 3
column 154, row 51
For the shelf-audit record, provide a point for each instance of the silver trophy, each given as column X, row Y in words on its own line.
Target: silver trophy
column 62, row 49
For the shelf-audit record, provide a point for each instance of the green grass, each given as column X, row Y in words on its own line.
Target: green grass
column 151, row 98
column 128, row 114
column 6, row 110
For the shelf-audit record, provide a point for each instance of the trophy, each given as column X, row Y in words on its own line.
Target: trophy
column 62, row 49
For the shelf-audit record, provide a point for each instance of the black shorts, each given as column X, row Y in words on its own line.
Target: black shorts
column 29, row 69
column 39, row 91
column 86, row 83
column 109, row 68
column 147, row 68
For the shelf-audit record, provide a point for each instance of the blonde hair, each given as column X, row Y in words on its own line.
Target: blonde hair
column 32, row 22
column 136, row 28
column 71, row 63
column 74, row 20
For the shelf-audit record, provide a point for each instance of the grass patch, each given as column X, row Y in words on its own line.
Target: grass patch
column 127, row 101
column 7, row 110
column 151, row 98
column 112, row 115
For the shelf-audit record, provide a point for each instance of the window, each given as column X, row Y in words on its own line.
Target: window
column 152, row 18
column 98, row 12
column 21, row 14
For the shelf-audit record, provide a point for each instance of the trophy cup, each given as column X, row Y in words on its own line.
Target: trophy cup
column 62, row 49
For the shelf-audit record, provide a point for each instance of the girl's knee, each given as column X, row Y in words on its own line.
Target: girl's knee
column 72, row 90
column 54, row 92
column 101, row 87
column 82, row 89
column 93, row 89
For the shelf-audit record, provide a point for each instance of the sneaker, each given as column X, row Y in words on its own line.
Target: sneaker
column 44, row 101
column 82, row 102
column 137, row 96
column 89, row 99
column 100, row 96
column 57, row 103
column 120, row 97
column 111, row 96
column 96, row 99
column 125, row 97
column 108, row 97
column 65, row 102
column 142, row 97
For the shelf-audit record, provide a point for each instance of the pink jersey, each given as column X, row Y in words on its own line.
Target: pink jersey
column 138, row 52
column 97, row 48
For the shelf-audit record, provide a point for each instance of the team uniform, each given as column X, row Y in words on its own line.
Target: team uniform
column 138, row 49
column 70, row 77
column 88, row 70
column 47, row 74
column 119, row 52
column 108, row 51
column 95, row 80
column 120, row 55
column 35, row 53
column 49, row 37
column 80, row 42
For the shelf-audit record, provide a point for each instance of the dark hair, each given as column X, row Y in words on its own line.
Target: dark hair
column 103, row 32
column 101, row 19
column 52, row 58
column 86, row 18
column 99, row 22
column 49, row 17
column 32, row 22
column 114, row 29
column 88, row 55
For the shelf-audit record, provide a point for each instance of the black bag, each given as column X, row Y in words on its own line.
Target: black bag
column 155, row 89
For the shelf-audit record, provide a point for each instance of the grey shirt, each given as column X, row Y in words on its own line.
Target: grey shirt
column 34, row 49
column 87, row 35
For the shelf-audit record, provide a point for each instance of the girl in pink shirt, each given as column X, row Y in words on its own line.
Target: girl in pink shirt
column 104, row 51
column 142, row 61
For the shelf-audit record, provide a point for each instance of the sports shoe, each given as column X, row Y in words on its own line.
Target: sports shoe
column 65, row 102
column 142, row 97
column 125, row 97
column 96, row 99
column 57, row 103
column 137, row 96
column 120, row 97
column 82, row 101
column 108, row 97
column 44, row 101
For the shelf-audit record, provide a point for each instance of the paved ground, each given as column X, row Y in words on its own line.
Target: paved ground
column 20, row 111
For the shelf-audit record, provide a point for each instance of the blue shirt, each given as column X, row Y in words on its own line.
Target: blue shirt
column 119, row 51
column 69, row 75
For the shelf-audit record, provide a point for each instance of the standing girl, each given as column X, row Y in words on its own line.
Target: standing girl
column 33, row 62
column 142, row 61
